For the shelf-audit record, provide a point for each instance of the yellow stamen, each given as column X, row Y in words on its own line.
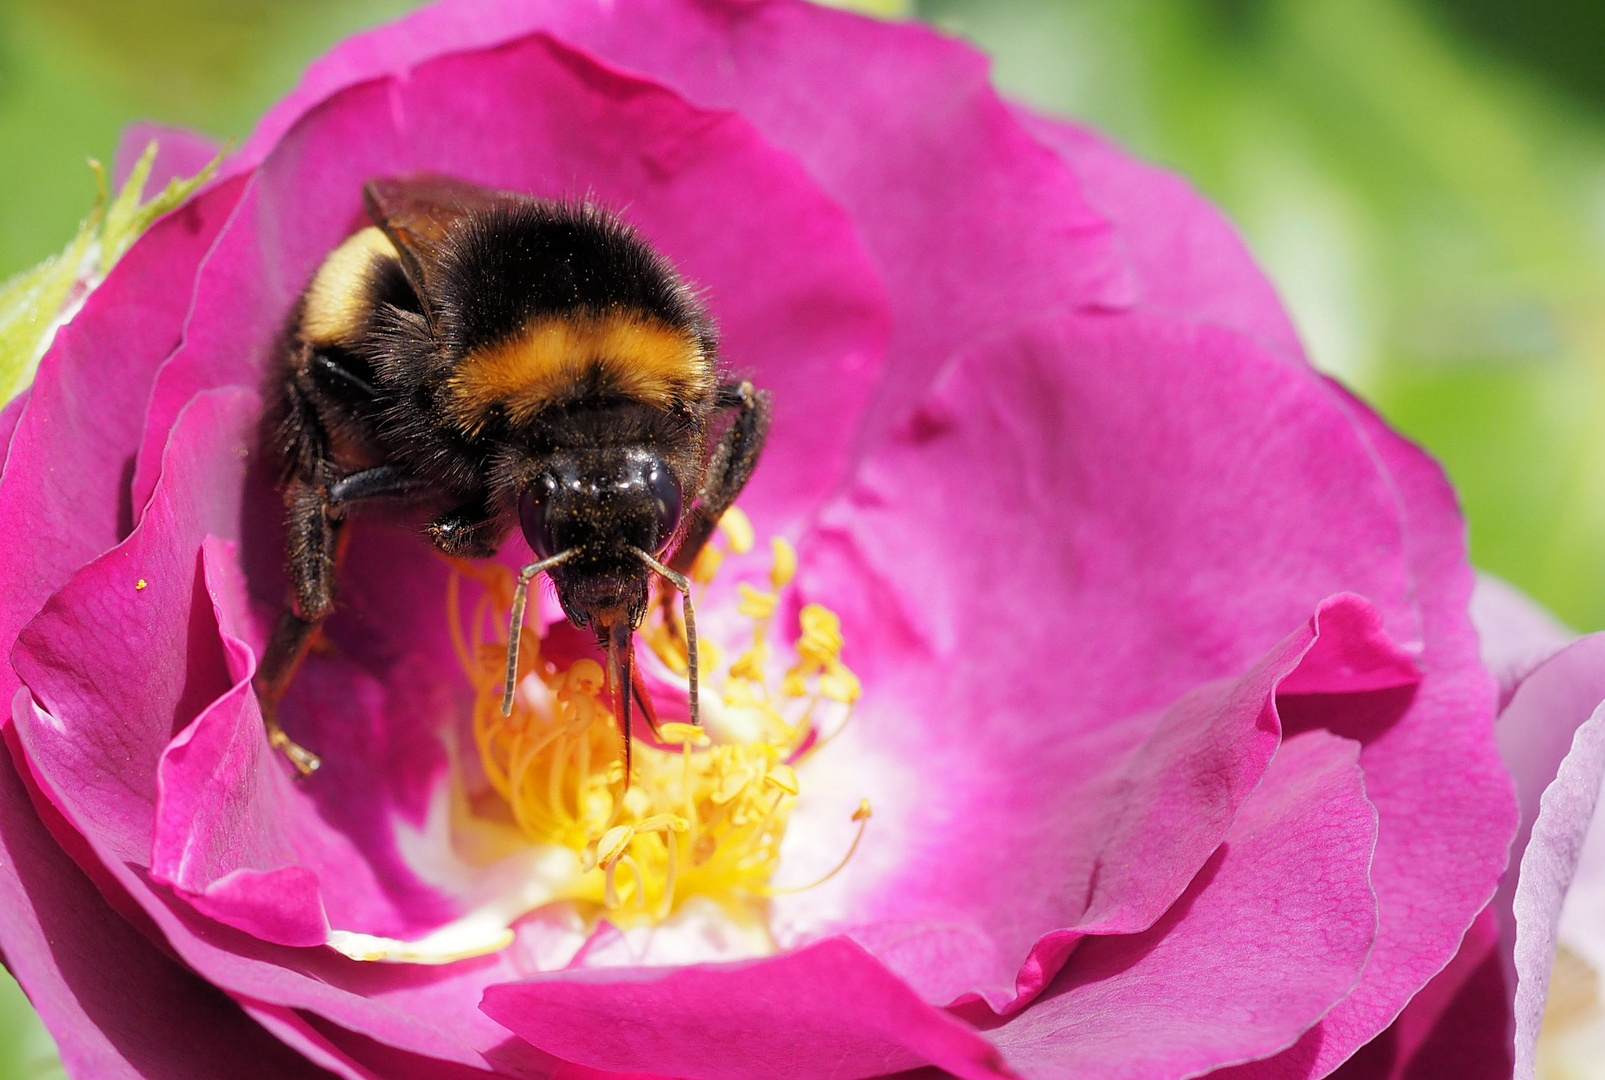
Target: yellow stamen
column 785, row 565
column 755, row 604
column 738, row 531
column 862, row 816
column 683, row 734
column 706, row 565
column 783, row 777
column 699, row 817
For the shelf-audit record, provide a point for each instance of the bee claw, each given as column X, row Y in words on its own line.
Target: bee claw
column 305, row 761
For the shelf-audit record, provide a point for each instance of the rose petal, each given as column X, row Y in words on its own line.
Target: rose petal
column 180, row 154
column 1186, row 256
column 1556, row 723
column 1271, row 934
column 114, row 684
column 1456, row 1028
column 213, row 813
column 64, row 493
column 222, row 802
column 1516, row 634
column 1443, row 796
column 256, row 850
column 357, row 1058
column 117, row 1005
column 10, row 414
column 1015, row 483
column 827, row 1010
column 1118, row 826
column 127, row 652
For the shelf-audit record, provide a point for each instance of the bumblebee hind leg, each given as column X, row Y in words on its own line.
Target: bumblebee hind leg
column 316, row 540
column 315, row 537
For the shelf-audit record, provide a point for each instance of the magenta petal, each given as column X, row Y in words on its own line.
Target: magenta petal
column 64, row 493
column 1516, row 634
column 282, row 906
column 1443, row 797
column 180, row 154
column 1456, row 1028
column 1227, row 975
column 1003, row 542
column 117, row 1005
column 356, row 1058
column 10, row 414
column 428, row 1012
column 828, row 1010
column 210, row 811
column 120, row 666
column 219, row 836
column 1122, row 821
column 1185, row 255
column 118, row 669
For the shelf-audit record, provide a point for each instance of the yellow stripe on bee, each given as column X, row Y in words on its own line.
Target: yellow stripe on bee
column 337, row 301
column 633, row 357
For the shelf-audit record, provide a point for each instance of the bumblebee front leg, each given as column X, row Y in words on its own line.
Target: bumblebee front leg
column 734, row 459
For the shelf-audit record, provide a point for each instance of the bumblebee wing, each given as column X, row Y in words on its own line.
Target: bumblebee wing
column 418, row 214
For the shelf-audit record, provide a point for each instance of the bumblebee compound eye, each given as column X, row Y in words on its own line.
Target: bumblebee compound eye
column 533, row 517
column 664, row 491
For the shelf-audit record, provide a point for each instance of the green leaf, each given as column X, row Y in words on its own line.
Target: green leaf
column 29, row 304
column 127, row 218
column 34, row 303
column 884, row 9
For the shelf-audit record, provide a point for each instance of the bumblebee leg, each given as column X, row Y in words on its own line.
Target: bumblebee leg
column 734, row 459
column 469, row 532
column 313, row 540
column 292, row 637
column 316, row 540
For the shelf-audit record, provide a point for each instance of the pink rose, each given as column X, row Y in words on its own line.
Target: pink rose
column 1180, row 752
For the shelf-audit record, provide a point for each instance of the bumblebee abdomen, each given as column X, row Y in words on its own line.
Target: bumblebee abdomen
column 344, row 292
column 559, row 359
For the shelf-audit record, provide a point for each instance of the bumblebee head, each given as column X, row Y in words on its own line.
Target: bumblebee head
column 604, row 505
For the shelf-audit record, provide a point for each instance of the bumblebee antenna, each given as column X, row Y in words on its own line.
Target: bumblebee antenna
column 681, row 582
column 515, row 620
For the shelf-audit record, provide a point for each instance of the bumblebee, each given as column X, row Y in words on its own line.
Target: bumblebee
column 480, row 359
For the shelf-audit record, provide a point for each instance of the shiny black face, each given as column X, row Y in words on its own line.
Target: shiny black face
column 602, row 504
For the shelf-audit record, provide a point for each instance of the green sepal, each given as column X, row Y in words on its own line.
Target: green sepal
column 34, row 303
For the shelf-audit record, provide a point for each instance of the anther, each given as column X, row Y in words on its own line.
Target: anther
column 784, row 568
column 738, row 531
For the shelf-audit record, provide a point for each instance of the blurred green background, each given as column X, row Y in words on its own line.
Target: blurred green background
column 1423, row 179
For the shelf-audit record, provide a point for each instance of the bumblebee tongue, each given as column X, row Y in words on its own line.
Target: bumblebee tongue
column 620, row 676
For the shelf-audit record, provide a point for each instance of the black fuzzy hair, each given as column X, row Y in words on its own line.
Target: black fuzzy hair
column 520, row 261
